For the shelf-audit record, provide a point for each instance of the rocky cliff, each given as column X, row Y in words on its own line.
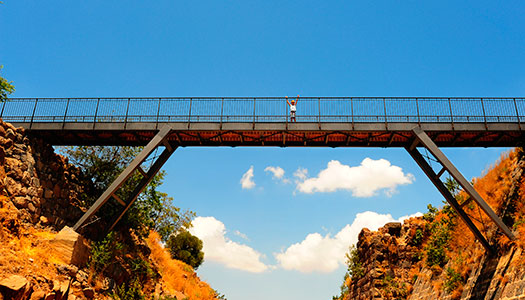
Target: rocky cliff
column 40, row 258
column 437, row 257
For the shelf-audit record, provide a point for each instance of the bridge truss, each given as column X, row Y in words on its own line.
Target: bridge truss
column 321, row 121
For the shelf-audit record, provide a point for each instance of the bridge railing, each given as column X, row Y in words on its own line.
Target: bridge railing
column 264, row 109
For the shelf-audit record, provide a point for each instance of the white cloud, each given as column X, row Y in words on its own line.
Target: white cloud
column 218, row 248
column 363, row 180
column 247, row 179
column 277, row 172
column 241, row 235
column 301, row 173
column 318, row 253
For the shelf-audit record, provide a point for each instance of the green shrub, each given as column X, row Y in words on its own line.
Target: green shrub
column 132, row 291
column 453, row 280
column 431, row 214
column 140, row 269
column 103, row 252
column 436, row 247
column 355, row 268
column 418, row 237
column 187, row 248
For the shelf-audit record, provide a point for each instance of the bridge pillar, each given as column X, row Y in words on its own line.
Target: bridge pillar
column 157, row 141
column 423, row 139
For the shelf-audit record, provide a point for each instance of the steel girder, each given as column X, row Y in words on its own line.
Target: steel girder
column 424, row 140
column 158, row 140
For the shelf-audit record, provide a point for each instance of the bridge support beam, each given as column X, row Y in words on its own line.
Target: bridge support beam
column 135, row 165
column 423, row 139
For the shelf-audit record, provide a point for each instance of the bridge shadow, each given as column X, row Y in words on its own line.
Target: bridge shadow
column 482, row 287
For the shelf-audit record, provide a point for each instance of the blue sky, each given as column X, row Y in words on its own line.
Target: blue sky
column 272, row 48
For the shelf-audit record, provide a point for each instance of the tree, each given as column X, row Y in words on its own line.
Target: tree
column 452, row 186
column 153, row 210
column 6, row 87
column 186, row 247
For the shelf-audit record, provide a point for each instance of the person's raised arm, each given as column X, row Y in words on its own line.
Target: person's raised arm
column 288, row 101
column 297, row 100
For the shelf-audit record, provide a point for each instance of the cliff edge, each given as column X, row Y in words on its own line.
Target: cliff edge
column 437, row 257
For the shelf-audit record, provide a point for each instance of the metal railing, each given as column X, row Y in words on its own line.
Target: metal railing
column 265, row 109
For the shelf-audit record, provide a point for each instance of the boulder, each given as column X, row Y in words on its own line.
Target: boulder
column 15, row 287
column 70, row 247
column 21, row 201
column 38, row 295
column 89, row 293
column 393, row 228
column 6, row 143
column 13, row 186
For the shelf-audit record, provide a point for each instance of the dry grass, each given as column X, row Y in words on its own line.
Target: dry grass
column 176, row 275
column 26, row 251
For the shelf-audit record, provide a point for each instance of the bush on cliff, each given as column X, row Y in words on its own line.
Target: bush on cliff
column 187, row 248
column 6, row 87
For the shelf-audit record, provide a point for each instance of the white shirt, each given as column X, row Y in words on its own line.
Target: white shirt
column 292, row 108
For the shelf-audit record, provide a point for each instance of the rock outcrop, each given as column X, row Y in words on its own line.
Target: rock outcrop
column 437, row 257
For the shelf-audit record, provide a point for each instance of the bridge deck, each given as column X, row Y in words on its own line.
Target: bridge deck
column 328, row 122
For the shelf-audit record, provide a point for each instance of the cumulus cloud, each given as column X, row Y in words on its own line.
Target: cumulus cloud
column 218, row 248
column 247, row 179
column 318, row 253
column 277, row 172
column 363, row 180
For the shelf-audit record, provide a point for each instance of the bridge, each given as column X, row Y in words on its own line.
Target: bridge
column 169, row 123
column 321, row 121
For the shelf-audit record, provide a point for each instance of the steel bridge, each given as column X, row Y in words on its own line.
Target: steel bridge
column 321, row 121
column 169, row 123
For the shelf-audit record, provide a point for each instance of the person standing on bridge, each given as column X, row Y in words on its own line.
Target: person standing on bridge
column 293, row 108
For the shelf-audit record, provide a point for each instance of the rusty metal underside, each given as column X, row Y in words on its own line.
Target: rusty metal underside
column 291, row 137
column 282, row 138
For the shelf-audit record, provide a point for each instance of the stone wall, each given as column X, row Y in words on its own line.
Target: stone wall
column 41, row 184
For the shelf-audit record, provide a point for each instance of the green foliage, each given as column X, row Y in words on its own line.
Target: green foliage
column 132, row 291
column 6, row 87
column 354, row 270
column 418, row 237
column 140, row 268
column 152, row 210
column 417, row 256
column 452, row 280
column 431, row 214
column 186, row 247
column 438, row 242
column 103, row 252
column 353, row 261
column 452, row 186
column 392, row 289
